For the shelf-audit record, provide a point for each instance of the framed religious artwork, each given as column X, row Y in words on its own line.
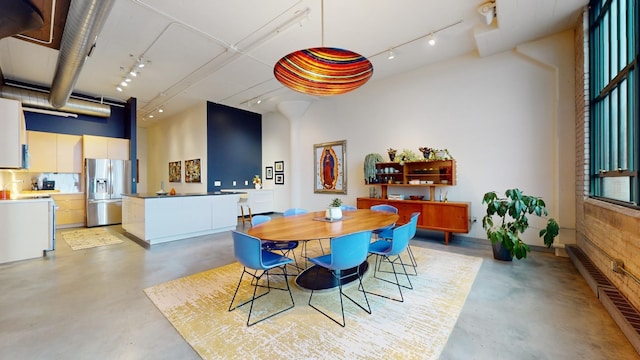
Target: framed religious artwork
column 268, row 172
column 175, row 171
column 279, row 166
column 192, row 171
column 330, row 167
column 279, row 179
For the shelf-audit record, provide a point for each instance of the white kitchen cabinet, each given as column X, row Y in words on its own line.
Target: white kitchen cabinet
column 13, row 133
column 259, row 200
column 27, row 229
column 69, row 153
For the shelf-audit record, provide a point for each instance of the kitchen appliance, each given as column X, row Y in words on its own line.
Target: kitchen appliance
column 48, row 185
column 106, row 181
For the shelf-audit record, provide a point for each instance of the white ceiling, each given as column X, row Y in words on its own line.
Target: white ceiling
column 224, row 51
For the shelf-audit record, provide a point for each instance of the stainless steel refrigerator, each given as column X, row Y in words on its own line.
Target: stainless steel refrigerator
column 106, row 181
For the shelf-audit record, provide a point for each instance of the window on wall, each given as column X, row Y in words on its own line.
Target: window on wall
column 614, row 101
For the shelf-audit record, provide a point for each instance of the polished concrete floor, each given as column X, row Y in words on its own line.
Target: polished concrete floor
column 90, row 304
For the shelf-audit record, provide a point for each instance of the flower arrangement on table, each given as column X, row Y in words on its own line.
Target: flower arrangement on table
column 256, row 180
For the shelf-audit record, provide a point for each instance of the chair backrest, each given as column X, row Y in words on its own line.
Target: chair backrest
column 400, row 239
column 349, row 250
column 414, row 224
column 385, row 208
column 348, row 208
column 259, row 219
column 294, row 211
column 247, row 250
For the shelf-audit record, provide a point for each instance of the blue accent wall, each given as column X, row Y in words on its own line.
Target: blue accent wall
column 113, row 126
column 234, row 146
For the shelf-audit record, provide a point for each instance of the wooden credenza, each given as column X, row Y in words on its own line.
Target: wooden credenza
column 450, row 217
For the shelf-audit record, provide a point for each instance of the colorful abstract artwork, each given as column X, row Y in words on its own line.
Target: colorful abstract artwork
column 175, row 171
column 192, row 171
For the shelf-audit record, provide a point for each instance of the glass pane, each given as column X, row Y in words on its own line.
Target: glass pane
column 623, row 35
column 613, row 40
column 605, row 49
column 617, row 188
column 613, row 129
column 623, row 132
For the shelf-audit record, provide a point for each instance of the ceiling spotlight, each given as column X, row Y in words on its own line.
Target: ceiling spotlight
column 127, row 79
column 391, row 55
column 133, row 73
column 119, row 88
column 140, row 63
column 151, row 116
column 259, row 101
column 432, row 39
column 124, row 83
column 488, row 10
column 160, row 110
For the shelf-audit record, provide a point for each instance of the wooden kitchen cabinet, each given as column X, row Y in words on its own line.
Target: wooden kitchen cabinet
column 51, row 152
column 69, row 153
column 101, row 147
column 42, row 151
column 71, row 211
column 450, row 217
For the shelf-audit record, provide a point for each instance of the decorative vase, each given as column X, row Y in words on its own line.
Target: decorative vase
column 333, row 213
column 258, row 186
column 392, row 156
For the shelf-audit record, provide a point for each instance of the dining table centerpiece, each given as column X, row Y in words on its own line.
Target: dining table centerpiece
column 334, row 212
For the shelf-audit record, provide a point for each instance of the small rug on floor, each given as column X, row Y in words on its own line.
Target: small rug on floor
column 197, row 306
column 90, row 238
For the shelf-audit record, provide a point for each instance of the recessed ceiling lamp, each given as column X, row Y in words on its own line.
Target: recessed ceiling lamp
column 323, row 71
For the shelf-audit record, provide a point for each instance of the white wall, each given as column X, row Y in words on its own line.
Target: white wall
column 183, row 137
column 501, row 117
column 274, row 148
column 143, row 159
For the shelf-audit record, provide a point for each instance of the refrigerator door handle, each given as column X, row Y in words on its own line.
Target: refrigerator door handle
column 103, row 201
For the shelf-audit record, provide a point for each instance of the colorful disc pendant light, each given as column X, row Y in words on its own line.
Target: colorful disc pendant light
column 323, row 71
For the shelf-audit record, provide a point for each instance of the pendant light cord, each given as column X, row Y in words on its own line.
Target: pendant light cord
column 322, row 23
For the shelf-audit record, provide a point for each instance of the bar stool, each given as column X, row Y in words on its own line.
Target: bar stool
column 243, row 203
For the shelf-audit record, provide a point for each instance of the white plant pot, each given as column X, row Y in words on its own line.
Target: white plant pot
column 258, row 186
column 333, row 213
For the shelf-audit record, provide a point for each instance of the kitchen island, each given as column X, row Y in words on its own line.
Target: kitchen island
column 161, row 218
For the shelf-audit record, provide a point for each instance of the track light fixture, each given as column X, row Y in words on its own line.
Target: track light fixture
column 432, row 39
column 391, row 55
column 132, row 73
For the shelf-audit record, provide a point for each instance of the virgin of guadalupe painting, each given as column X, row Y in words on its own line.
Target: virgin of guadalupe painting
column 330, row 169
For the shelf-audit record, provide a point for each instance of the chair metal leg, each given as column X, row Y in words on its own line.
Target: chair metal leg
column 401, row 265
column 255, row 288
column 360, row 286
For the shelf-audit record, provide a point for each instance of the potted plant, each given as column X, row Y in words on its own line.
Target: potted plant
column 257, row 183
column 334, row 211
column 513, row 211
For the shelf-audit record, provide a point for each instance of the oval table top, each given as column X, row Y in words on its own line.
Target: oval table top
column 313, row 225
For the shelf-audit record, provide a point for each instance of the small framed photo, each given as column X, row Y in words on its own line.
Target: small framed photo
column 279, row 179
column 268, row 172
column 279, row 166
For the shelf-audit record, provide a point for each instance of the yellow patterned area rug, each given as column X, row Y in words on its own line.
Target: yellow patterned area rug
column 90, row 238
column 197, row 306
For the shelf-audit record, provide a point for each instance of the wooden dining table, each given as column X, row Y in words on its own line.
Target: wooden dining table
column 314, row 226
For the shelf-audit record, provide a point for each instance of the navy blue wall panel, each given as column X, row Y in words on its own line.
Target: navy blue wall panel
column 234, row 146
column 114, row 126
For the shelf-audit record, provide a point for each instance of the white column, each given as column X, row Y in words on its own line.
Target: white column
column 293, row 111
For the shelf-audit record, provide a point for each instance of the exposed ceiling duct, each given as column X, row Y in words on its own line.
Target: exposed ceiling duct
column 18, row 16
column 84, row 22
column 40, row 100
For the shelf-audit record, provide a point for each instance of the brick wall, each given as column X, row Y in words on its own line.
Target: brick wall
column 604, row 231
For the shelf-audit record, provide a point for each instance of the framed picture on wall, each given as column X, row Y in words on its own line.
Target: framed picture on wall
column 330, row 167
column 192, row 171
column 279, row 166
column 175, row 171
column 279, row 179
column 268, row 172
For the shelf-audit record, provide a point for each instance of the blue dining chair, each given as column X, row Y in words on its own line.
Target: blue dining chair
column 384, row 208
column 348, row 208
column 387, row 234
column 347, row 251
column 249, row 253
column 285, row 247
column 389, row 252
